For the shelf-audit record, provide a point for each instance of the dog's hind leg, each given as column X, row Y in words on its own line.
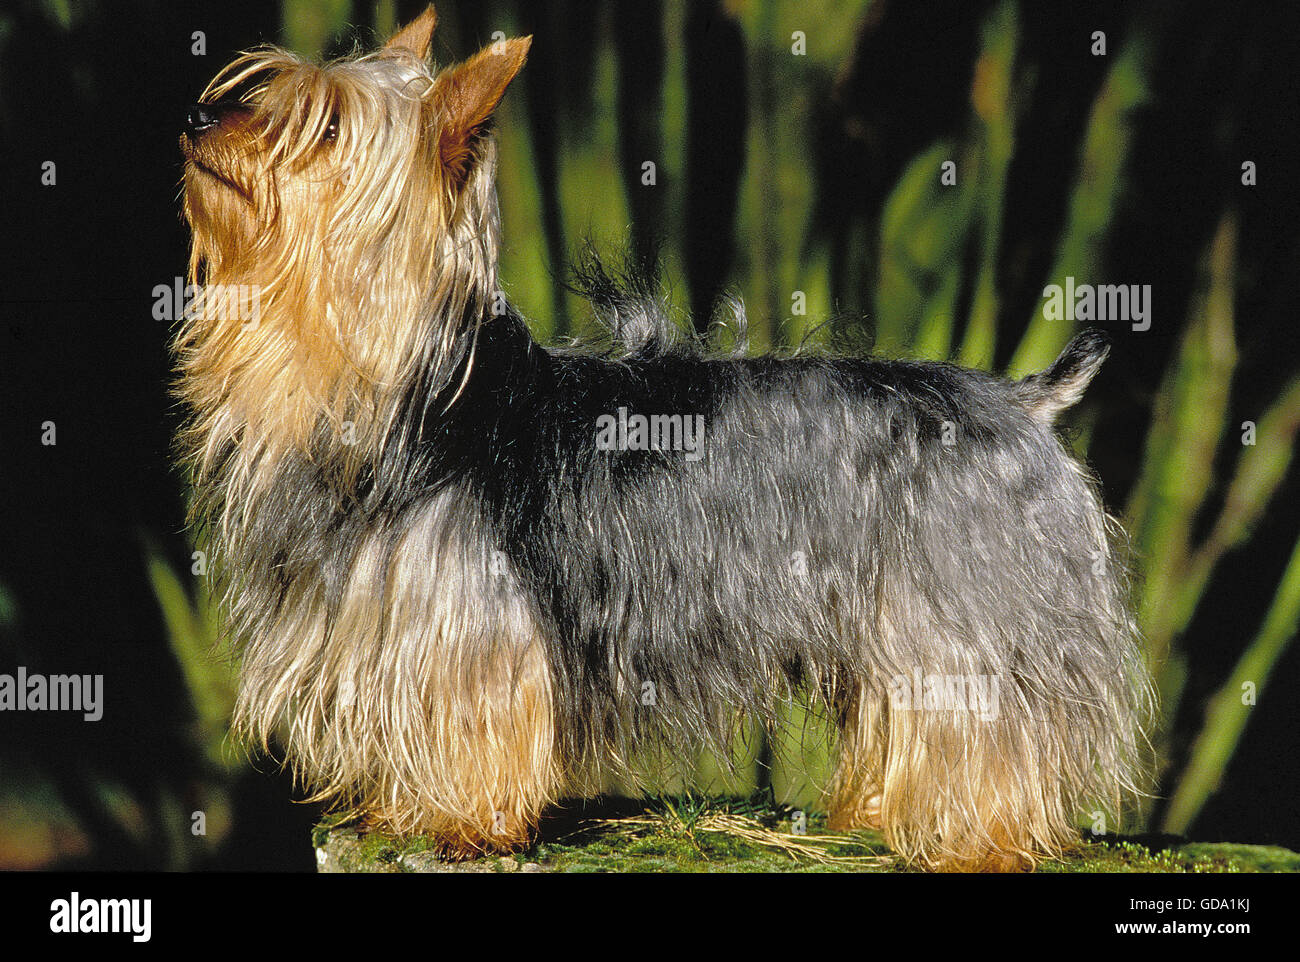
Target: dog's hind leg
column 854, row 796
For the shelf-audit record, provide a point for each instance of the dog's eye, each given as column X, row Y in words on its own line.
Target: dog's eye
column 331, row 130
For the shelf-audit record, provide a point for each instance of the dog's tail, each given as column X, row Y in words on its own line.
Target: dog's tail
column 1050, row 392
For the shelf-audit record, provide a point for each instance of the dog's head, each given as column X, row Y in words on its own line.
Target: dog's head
column 356, row 199
column 369, row 146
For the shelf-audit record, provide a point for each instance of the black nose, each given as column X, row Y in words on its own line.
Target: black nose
column 201, row 117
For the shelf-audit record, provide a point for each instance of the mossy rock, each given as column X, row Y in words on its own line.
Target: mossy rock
column 691, row 834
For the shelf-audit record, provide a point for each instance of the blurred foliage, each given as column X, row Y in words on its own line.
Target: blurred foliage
column 1095, row 199
column 193, row 632
column 800, row 149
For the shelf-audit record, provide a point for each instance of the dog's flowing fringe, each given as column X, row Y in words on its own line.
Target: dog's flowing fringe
column 451, row 610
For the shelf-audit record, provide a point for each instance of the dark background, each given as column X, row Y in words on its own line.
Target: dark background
column 776, row 172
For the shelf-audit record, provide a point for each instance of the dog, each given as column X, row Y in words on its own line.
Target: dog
column 469, row 575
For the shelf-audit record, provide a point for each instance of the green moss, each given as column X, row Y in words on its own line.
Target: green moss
column 1124, row 855
column 326, row 826
column 691, row 833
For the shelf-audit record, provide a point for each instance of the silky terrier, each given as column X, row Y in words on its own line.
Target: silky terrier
column 468, row 575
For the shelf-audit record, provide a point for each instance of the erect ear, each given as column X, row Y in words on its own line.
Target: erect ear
column 467, row 94
column 416, row 36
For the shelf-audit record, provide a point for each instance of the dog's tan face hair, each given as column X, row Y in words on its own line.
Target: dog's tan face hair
column 355, row 199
